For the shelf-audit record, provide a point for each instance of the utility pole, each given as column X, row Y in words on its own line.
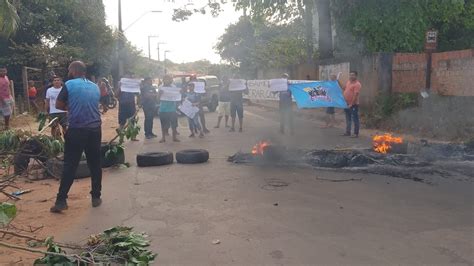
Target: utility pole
column 164, row 62
column 149, row 49
column 158, row 48
column 120, row 40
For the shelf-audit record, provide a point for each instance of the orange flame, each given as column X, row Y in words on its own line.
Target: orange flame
column 383, row 143
column 260, row 147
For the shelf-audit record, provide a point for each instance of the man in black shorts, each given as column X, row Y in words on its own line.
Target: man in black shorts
column 50, row 103
column 237, row 108
column 168, row 115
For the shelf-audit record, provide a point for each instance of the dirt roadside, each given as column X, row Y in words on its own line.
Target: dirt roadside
column 33, row 216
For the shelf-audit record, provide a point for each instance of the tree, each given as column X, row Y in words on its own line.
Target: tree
column 325, row 46
column 251, row 44
column 53, row 30
column 8, row 19
column 400, row 26
column 275, row 11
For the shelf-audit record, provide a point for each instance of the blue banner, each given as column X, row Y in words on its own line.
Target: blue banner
column 318, row 94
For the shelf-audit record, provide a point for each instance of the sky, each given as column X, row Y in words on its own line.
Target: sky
column 187, row 41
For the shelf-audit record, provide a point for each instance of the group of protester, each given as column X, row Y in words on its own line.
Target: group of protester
column 230, row 105
column 76, row 105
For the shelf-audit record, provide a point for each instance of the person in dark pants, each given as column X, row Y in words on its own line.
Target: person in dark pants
column 331, row 111
column 80, row 97
column 237, row 108
column 202, row 117
column 127, row 99
column 286, row 112
column 148, row 99
column 168, row 115
column 351, row 95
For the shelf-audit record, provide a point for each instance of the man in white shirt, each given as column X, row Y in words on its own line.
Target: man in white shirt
column 50, row 103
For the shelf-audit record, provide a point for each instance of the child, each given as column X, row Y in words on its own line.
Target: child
column 195, row 99
column 32, row 92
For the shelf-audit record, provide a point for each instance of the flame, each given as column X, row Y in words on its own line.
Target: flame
column 260, row 147
column 382, row 143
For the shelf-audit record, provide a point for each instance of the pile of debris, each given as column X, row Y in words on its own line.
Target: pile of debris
column 398, row 159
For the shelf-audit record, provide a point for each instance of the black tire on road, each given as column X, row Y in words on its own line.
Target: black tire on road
column 154, row 158
column 108, row 162
column 192, row 156
column 55, row 167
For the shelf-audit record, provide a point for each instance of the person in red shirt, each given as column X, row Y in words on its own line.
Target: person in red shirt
column 104, row 99
column 351, row 94
column 6, row 101
column 32, row 92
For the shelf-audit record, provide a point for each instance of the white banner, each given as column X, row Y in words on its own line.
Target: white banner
column 260, row 90
column 237, row 85
column 278, row 84
column 170, row 94
column 130, row 85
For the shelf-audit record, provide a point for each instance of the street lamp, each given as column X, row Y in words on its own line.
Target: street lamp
column 149, row 51
column 141, row 16
column 121, row 30
column 164, row 62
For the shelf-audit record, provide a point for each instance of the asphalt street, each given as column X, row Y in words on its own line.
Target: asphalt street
column 379, row 220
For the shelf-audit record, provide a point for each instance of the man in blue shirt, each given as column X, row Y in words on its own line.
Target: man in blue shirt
column 80, row 97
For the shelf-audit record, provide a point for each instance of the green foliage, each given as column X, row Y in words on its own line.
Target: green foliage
column 41, row 119
column 387, row 105
column 114, row 151
column 400, row 26
column 132, row 129
column 125, row 244
column 117, row 245
column 254, row 43
column 54, row 32
column 12, row 140
column 55, row 259
column 8, row 19
column 7, row 213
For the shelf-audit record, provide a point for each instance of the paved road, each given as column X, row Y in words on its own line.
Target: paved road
column 379, row 220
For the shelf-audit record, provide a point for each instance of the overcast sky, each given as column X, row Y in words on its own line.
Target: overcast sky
column 187, row 41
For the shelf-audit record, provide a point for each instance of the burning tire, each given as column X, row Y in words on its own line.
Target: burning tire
column 192, row 156
column 154, row 159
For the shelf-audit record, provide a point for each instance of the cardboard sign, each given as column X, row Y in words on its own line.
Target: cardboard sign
column 130, row 85
column 237, row 85
column 172, row 94
column 188, row 109
column 199, row 87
